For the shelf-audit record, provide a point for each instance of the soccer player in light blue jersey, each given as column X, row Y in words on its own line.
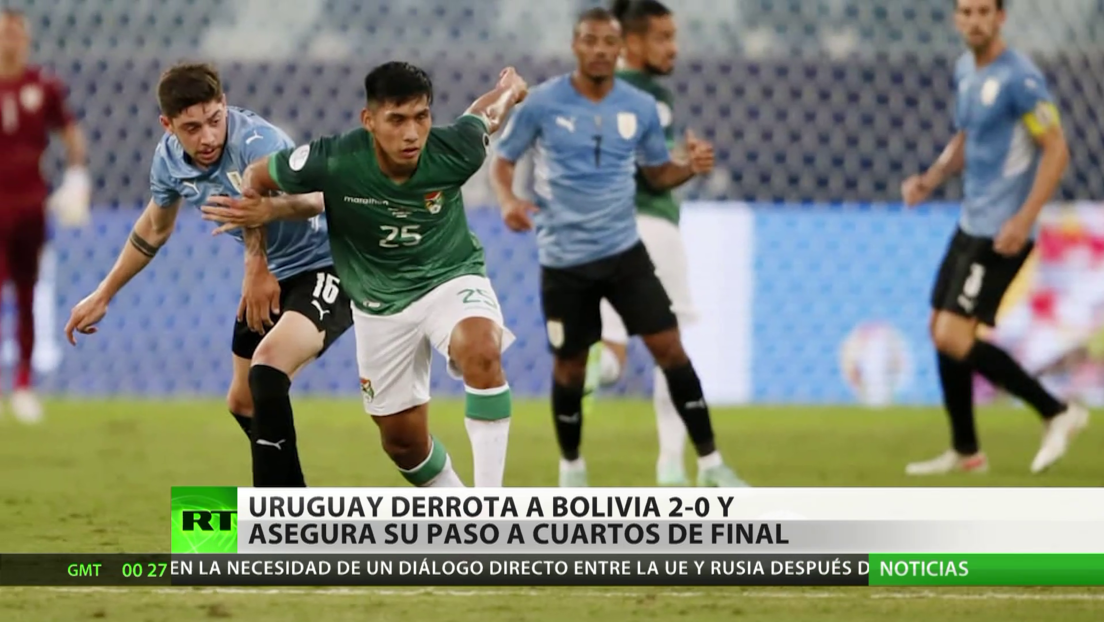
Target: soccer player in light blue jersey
column 1012, row 151
column 590, row 131
column 292, row 307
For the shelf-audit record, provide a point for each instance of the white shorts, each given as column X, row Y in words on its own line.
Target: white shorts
column 394, row 352
column 663, row 239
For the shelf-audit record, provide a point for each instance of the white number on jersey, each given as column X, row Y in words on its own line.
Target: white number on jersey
column 400, row 236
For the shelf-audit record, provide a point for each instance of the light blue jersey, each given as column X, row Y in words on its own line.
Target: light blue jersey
column 1000, row 107
column 584, row 167
column 293, row 246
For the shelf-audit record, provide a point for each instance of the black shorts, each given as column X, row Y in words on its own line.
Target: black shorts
column 974, row 277
column 317, row 295
column 571, row 299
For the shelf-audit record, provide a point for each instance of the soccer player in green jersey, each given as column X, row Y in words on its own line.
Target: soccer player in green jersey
column 406, row 258
column 649, row 53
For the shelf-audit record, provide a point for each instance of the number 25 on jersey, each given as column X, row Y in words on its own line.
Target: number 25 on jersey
column 394, row 237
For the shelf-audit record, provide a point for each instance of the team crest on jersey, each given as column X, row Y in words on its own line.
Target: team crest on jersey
column 366, row 390
column 626, row 124
column 989, row 91
column 434, row 201
column 235, row 180
column 31, row 97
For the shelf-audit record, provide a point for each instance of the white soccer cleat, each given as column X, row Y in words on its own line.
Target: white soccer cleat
column 26, row 406
column 671, row 474
column 573, row 474
column 950, row 462
column 1059, row 432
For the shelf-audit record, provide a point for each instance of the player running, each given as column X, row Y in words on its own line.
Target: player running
column 1012, row 150
column 404, row 252
column 292, row 306
column 649, row 52
column 588, row 127
column 32, row 106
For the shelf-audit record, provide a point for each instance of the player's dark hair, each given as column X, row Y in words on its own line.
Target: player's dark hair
column 636, row 15
column 185, row 85
column 1000, row 5
column 397, row 83
column 596, row 14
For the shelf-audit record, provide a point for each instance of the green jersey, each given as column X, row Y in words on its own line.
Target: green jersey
column 661, row 204
column 392, row 243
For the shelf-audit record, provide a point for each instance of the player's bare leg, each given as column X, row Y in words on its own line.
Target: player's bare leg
column 955, row 338
column 291, row 343
column 421, row 458
column 239, row 401
column 689, row 400
column 476, row 348
column 568, row 382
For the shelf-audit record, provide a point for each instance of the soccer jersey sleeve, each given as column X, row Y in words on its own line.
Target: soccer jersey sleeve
column 1032, row 101
column 520, row 132
column 653, row 143
column 461, row 148
column 301, row 170
column 58, row 114
column 262, row 140
column 163, row 186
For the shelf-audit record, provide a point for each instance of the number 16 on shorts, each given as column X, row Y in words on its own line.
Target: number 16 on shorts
column 327, row 288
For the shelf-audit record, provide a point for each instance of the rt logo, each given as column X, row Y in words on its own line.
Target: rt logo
column 201, row 519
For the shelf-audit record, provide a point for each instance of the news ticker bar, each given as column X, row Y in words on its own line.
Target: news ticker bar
column 392, row 570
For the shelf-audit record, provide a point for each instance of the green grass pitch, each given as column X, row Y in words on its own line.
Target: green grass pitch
column 95, row 478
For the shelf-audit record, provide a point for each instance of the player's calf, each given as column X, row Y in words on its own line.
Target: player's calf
column 568, row 380
column 422, row 459
column 476, row 348
column 685, row 387
column 239, row 400
column 293, row 341
column 689, row 399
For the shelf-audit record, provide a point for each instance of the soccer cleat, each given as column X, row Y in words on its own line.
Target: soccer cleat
column 720, row 477
column 1058, row 433
column 573, row 474
column 26, row 407
column 593, row 377
column 949, row 462
column 671, row 474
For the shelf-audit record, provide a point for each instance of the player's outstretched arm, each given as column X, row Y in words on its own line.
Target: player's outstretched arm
column 496, row 104
column 150, row 233
column 257, row 206
column 917, row 188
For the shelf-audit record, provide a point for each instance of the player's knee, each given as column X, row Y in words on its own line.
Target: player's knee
column 407, row 451
column 952, row 341
column 667, row 350
column 481, row 365
column 570, row 371
column 239, row 401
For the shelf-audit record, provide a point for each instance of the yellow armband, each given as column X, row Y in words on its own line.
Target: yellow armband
column 1042, row 119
